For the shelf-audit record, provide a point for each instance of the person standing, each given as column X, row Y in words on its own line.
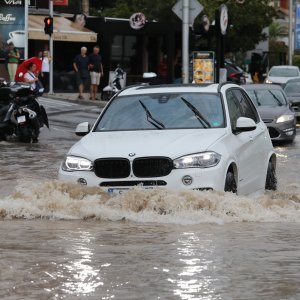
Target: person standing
column 96, row 71
column 45, row 70
column 13, row 58
column 81, row 67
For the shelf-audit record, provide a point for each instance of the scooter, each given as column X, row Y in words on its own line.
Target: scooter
column 115, row 85
column 21, row 116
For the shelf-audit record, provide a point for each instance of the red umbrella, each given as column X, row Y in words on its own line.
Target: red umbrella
column 23, row 67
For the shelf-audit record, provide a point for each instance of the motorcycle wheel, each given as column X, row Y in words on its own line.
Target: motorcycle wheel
column 29, row 133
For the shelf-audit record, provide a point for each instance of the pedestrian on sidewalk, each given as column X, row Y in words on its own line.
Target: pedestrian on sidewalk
column 96, row 71
column 81, row 67
column 13, row 58
column 44, row 75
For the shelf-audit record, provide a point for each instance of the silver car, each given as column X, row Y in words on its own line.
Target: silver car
column 281, row 74
column 274, row 109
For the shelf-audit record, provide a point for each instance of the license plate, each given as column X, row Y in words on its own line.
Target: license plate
column 21, row 119
column 117, row 191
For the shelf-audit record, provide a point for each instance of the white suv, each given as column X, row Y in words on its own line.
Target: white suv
column 175, row 137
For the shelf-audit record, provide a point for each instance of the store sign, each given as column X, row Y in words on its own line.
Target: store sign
column 203, row 67
column 12, row 25
column 137, row 20
column 61, row 2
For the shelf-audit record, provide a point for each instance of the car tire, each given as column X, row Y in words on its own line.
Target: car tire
column 271, row 180
column 230, row 183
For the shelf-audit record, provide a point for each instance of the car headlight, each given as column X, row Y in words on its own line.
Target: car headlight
column 268, row 81
column 285, row 118
column 198, row 160
column 74, row 163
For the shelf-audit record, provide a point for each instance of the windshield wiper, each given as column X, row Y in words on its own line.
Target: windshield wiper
column 277, row 100
column 258, row 103
column 197, row 113
column 150, row 119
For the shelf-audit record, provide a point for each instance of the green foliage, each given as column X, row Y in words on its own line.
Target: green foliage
column 296, row 60
column 246, row 21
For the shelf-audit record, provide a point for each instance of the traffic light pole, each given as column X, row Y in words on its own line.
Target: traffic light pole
column 51, row 52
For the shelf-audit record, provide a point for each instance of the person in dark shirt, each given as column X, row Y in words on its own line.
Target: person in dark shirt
column 81, row 67
column 96, row 71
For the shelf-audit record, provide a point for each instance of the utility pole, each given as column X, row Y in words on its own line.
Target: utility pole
column 185, row 41
column 290, row 60
column 51, row 51
column 26, row 30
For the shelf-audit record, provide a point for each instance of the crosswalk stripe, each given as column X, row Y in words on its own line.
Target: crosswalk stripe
column 54, row 102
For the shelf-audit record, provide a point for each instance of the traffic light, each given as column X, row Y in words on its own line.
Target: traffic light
column 48, row 25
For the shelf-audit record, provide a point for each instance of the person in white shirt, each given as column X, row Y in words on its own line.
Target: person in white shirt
column 30, row 76
column 45, row 70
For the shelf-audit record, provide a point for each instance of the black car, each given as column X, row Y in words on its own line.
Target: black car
column 292, row 89
column 274, row 109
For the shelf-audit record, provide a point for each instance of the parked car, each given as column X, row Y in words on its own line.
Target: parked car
column 234, row 73
column 292, row 89
column 274, row 109
column 175, row 137
column 281, row 74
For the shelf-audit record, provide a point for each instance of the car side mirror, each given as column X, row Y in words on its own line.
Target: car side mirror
column 244, row 124
column 82, row 129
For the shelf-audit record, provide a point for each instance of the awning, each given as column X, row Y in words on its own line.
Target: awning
column 63, row 30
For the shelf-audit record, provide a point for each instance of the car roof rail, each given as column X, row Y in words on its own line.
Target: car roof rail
column 222, row 84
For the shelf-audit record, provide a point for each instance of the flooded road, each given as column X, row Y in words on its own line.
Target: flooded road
column 63, row 241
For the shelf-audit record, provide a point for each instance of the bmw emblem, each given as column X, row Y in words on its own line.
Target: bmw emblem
column 131, row 154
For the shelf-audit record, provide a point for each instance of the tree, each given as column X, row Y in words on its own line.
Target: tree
column 246, row 18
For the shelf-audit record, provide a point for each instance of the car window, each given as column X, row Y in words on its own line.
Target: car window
column 240, row 106
column 284, row 72
column 163, row 111
column 267, row 97
column 247, row 108
column 234, row 108
column 292, row 88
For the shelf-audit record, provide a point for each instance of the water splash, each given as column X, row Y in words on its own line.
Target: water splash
column 65, row 201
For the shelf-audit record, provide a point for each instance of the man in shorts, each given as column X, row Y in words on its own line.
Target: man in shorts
column 81, row 67
column 96, row 71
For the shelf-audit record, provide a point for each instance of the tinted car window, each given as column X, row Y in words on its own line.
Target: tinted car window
column 292, row 88
column 246, row 106
column 234, row 108
column 281, row 72
column 267, row 97
column 163, row 111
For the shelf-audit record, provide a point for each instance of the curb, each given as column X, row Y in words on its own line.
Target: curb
column 77, row 101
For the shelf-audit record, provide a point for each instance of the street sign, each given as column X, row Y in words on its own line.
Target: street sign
column 195, row 9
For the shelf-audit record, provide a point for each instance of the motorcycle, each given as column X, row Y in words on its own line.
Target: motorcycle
column 21, row 116
column 114, row 86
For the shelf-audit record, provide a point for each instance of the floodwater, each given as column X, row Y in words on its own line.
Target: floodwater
column 64, row 241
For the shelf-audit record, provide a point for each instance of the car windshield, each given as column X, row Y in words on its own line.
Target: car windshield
column 267, row 97
column 282, row 72
column 292, row 88
column 163, row 111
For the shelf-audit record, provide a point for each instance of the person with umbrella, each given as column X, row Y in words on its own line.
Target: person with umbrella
column 31, row 76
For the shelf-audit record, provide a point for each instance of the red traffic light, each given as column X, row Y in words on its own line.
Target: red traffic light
column 48, row 25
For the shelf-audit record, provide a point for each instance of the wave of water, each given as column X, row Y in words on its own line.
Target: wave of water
column 66, row 201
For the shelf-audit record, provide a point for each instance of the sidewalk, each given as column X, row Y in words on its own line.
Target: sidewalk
column 73, row 97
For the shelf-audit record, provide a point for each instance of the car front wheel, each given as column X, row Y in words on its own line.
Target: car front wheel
column 230, row 183
column 271, row 180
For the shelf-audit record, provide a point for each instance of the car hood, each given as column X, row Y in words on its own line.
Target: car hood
column 272, row 112
column 280, row 80
column 170, row 143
